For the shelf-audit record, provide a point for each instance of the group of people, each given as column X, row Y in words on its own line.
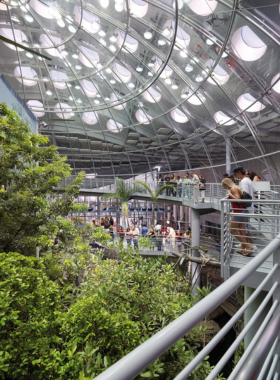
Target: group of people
column 239, row 226
column 158, row 235
column 183, row 186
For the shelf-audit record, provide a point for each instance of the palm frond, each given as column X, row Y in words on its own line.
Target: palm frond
column 110, row 203
column 114, row 195
column 162, row 189
column 144, row 184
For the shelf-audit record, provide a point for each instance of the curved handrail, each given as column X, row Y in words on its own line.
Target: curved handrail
column 140, row 358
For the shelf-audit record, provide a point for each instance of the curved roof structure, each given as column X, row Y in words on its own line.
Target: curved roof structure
column 132, row 85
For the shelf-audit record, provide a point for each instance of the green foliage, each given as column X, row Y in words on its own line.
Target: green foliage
column 29, row 177
column 154, row 195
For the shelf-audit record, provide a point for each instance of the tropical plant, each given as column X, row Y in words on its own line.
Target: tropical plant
column 30, row 173
column 124, row 194
column 154, row 194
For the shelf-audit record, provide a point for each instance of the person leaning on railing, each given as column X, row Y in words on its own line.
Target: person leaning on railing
column 159, row 238
column 237, row 223
column 152, row 234
column 121, row 233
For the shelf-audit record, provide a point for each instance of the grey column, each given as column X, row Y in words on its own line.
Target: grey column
column 228, row 156
column 195, row 242
column 251, row 311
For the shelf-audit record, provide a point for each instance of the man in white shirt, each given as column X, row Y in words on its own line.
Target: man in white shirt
column 195, row 182
column 135, row 234
column 246, row 185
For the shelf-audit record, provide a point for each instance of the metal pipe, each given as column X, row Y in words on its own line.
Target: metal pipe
column 218, row 368
column 272, row 368
column 252, row 366
column 140, row 358
column 217, row 338
column 267, row 361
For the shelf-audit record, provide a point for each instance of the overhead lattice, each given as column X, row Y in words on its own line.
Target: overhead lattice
column 132, row 84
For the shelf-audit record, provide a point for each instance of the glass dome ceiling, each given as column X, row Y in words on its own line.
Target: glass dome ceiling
column 125, row 86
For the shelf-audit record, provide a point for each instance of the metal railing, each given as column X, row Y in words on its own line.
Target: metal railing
column 139, row 359
column 258, row 226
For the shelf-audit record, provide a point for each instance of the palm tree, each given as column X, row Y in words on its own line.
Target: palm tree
column 123, row 194
column 154, row 195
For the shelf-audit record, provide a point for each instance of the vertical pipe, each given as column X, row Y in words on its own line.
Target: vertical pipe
column 195, row 243
column 228, row 156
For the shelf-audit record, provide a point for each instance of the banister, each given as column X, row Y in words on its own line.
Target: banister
column 140, row 358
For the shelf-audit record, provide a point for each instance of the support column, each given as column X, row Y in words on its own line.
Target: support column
column 195, row 242
column 228, row 156
column 251, row 311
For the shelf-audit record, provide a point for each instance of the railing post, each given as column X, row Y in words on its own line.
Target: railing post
column 276, row 277
column 222, row 238
column 195, row 243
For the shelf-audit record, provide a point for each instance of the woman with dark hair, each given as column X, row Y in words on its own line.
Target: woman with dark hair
column 202, row 187
column 173, row 183
column 252, row 175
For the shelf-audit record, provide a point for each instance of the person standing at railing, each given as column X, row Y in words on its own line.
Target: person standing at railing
column 152, row 234
column 237, row 223
column 128, row 236
column 144, row 230
column 160, row 181
column 179, row 186
column 167, row 182
column 121, row 233
column 202, row 187
column 179, row 240
column 159, row 239
column 135, row 234
column 246, row 185
column 173, row 183
column 111, row 221
column 195, row 184
column 102, row 222
column 186, row 186
column 172, row 236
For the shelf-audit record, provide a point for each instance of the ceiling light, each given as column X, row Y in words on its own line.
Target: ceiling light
column 166, row 32
column 69, row 85
column 112, row 81
column 168, row 81
column 77, row 87
column 199, row 78
column 161, row 42
column 180, row 4
column 131, row 85
column 68, row 19
column 174, row 87
column 112, row 48
column 102, row 33
column 15, row 18
column 70, row 98
column 40, row 58
column 107, row 99
column 183, row 54
column 150, row 74
column 75, row 56
column 29, row 55
column 29, row 18
column 151, row 64
column 108, row 70
column 224, row 55
column 148, row 34
column 45, row 79
column 211, row 41
column 188, row 68
column 184, row 96
column 48, row 92
column 71, row 28
column 96, row 101
column 23, row 8
column 61, row 23
column 98, row 95
column 119, row 7
column 104, row 3
column 113, row 38
column 78, row 67
column 79, row 101
column 72, row 114
column 64, row 53
column 103, row 42
column 139, row 69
